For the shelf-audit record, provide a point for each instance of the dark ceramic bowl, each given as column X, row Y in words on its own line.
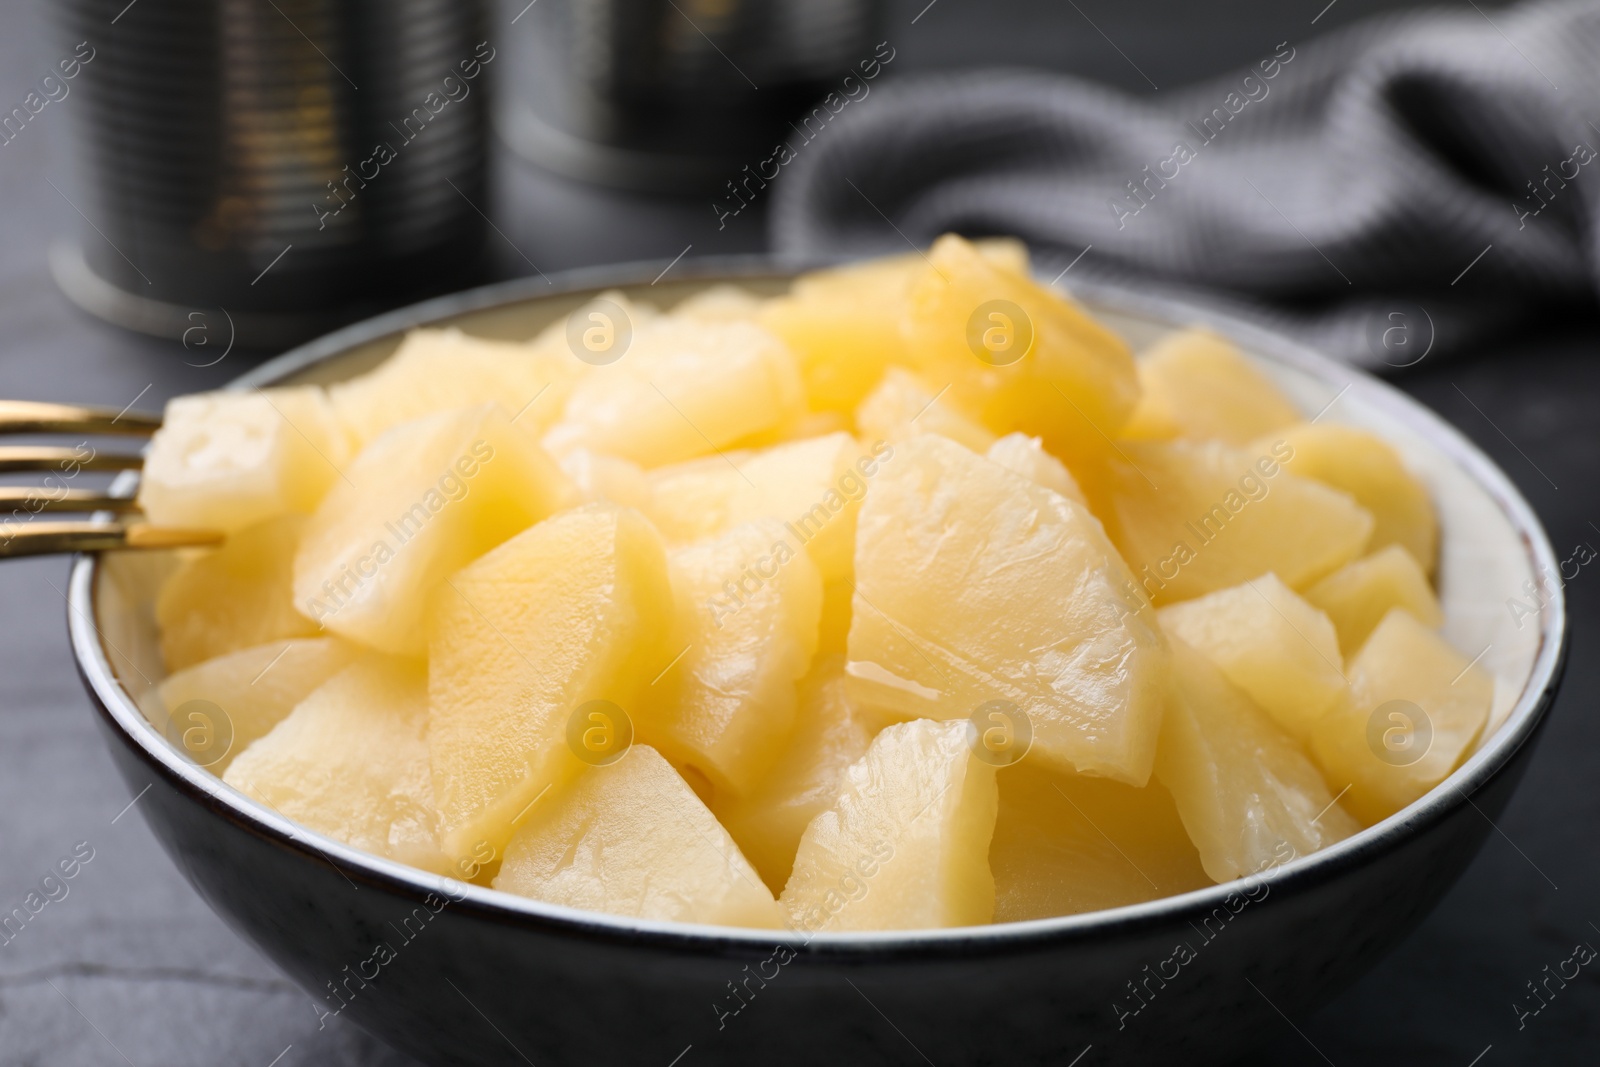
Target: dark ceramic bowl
column 459, row 974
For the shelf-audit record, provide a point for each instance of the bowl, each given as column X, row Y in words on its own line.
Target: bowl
column 458, row 974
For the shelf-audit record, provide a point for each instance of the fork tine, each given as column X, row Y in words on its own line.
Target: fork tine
column 32, row 416
column 57, row 457
column 44, row 538
column 37, row 498
column 26, row 538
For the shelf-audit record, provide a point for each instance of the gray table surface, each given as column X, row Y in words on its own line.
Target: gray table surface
column 132, row 968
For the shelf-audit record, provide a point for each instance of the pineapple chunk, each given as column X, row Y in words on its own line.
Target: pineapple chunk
column 1016, row 354
column 1358, row 595
column 231, row 597
column 1366, row 467
column 747, row 611
column 255, row 688
column 437, row 370
column 1199, row 386
column 632, row 839
column 815, row 486
column 902, row 406
column 829, row 735
column 597, row 332
column 843, row 328
column 608, row 479
column 803, row 427
column 351, row 761
column 229, row 460
column 1416, row 709
column 721, row 303
column 1009, row 253
column 572, row 610
column 974, row 584
column 843, row 324
column 905, row 845
column 684, row 388
column 1243, row 787
column 419, row 502
column 694, row 500
column 834, row 630
column 1192, row 518
column 1280, row 650
column 1024, row 455
column 1065, row 844
column 809, row 424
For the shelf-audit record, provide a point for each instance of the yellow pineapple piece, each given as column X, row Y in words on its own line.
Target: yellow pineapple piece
column 834, row 630
column 351, row 762
column 1009, row 253
column 1416, row 709
column 685, row 387
column 1024, row 455
column 437, row 370
column 829, row 735
column 905, row 844
column 1247, row 794
column 415, row 505
column 804, row 426
column 597, row 332
column 817, row 424
column 947, row 615
column 229, row 460
column 902, row 406
column 607, row 478
column 572, row 610
column 1191, row 518
column 844, row 324
column 748, row 605
column 843, row 328
column 1270, row 643
column 632, row 839
column 1363, row 465
column 254, row 688
column 1197, row 385
column 693, row 499
column 234, row 596
column 814, row 486
column 1358, row 595
column 1018, row 355
column 1065, row 844
column 721, row 303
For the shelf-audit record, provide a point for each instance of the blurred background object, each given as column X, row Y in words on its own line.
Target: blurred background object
column 285, row 165
column 672, row 94
column 1174, row 42
column 676, row 95
column 265, row 170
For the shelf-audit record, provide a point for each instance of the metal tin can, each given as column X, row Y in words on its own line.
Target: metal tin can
column 666, row 94
column 294, row 163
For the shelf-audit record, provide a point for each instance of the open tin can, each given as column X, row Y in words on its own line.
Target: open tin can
column 672, row 95
column 273, row 168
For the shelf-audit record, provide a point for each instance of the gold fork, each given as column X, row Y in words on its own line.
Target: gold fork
column 26, row 538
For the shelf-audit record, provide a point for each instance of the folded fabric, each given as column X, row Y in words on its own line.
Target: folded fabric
column 1409, row 184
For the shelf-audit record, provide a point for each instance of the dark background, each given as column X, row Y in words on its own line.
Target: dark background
column 132, row 968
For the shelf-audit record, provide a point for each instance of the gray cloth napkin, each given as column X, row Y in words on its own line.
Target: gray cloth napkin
column 1410, row 184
